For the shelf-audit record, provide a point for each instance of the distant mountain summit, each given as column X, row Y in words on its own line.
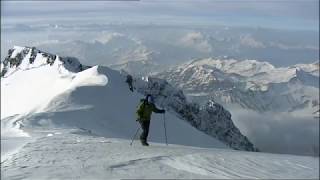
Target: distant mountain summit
column 26, row 58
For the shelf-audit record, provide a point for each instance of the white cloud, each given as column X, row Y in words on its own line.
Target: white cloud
column 289, row 47
column 108, row 36
column 196, row 40
column 248, row 40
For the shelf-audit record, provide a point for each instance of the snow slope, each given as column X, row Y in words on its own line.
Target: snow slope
column 74, row 155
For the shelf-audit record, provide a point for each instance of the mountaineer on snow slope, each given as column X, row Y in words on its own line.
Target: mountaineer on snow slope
column 145, row 109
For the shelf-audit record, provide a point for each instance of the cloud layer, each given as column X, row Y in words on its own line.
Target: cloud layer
column 280, row 132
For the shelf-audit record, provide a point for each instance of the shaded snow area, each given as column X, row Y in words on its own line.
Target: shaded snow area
column 62, row 120
column 74, row 155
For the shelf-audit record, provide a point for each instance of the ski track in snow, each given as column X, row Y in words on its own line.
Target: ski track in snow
column 72, row 155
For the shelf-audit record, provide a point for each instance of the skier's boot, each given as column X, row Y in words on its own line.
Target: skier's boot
column 144, row 142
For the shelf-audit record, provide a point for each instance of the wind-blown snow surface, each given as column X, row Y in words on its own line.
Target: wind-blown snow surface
column 73, row 107
column 73, row 155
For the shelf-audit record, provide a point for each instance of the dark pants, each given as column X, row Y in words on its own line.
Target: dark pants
column 131, row 87
column 145, row 130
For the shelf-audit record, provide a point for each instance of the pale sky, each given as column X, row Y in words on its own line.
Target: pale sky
column 283, row 14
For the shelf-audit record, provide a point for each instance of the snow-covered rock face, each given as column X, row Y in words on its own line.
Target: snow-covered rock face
column 26, row 58
column 249, row 84
column 31, row 78
column 210, row 118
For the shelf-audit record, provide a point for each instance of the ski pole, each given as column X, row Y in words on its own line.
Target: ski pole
column 165, row 129
column 134, row 136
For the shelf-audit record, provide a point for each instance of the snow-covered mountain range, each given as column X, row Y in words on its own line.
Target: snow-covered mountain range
column 60, row 91
column 249, row 84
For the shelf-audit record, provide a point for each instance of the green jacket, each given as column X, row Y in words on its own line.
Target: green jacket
column 145, row 110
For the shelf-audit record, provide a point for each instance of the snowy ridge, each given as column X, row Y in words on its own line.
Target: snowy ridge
column 259, row 72
column 41, row 75
column 26, row 58
column 249, row 84
column 245, row 67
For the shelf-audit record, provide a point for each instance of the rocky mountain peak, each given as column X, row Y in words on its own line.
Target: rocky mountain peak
column 24, row 58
